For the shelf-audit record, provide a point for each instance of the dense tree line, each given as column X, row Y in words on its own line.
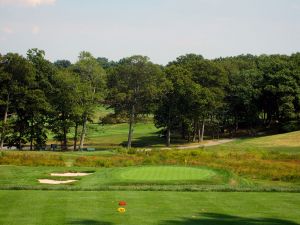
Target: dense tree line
column 189, row 97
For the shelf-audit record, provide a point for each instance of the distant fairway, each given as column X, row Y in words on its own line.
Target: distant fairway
column 280, row 140
column 166, row 173
column 112, row 135
column 285, row 143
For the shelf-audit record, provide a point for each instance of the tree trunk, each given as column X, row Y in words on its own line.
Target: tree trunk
column 31, row 143
column 75, row 136
column 269, row 120
column 168, row 136
column 199, row 133
column 236, row 126
column 64, row 147
column 20, row 141
column 4, row 122
column 131, row 122
column 202, row 130
column 82, row 136
column 194, row 131
column 31, row 135
column 182, row 131
column 169, row 130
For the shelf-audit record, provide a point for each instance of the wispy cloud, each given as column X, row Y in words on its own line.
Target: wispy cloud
column 30, row 3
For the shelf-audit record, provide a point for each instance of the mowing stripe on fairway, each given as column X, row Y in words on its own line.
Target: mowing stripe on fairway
column 148, row 208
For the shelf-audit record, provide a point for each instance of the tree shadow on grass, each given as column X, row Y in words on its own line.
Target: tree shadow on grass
column 152, row 141
column 89, row 222
column 145, row 141
column 221, row 219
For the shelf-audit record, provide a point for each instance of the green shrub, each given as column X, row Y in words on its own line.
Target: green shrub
column 290, row 126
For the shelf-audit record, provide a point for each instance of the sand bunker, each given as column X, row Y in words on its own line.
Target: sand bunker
column 70, row 174
column 47, row 181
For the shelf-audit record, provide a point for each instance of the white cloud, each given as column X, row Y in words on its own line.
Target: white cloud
column 31, row 3
column 7, row 30
column 35, row 29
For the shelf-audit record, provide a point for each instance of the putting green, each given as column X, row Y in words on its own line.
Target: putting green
column 166, row 173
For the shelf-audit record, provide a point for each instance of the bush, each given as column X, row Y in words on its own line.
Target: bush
column 290, row 126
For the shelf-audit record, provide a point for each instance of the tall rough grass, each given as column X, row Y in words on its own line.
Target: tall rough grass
column 112, row 161
column 30, row 159
column 255, row 164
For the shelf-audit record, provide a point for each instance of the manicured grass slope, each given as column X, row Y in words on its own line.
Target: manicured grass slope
column 116, row 134
column 280, row 140
column 285, row 143
column 166, row 173
column 24, row 176
column 149, row 208
column 145, row 134
column 112, row 135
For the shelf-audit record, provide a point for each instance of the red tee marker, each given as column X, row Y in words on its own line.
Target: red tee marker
column 122, row 203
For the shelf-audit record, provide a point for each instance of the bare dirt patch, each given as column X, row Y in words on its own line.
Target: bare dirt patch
column 47, row 181
column 70, row 174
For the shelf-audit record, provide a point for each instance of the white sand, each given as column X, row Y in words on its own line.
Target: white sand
column 70, row 174
column 46, row 181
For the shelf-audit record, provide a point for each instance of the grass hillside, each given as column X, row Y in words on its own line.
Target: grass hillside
column 285, row 143
column 145, row 134
column 280, row 140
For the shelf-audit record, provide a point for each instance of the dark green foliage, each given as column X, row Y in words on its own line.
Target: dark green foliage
column 134, row 85
column 62, row 64
column 16, row 87
column 196, row 95
column 65, row 102
column 105, row 63
column 190, row 98
column 93, row 76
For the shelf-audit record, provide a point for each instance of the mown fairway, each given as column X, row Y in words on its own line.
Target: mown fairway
column 287, row 143
column 112, row 135
column 149, row 208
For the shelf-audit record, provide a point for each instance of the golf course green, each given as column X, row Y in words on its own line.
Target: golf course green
column 166, row 173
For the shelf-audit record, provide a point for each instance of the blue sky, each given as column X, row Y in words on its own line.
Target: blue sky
column 160, row 29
